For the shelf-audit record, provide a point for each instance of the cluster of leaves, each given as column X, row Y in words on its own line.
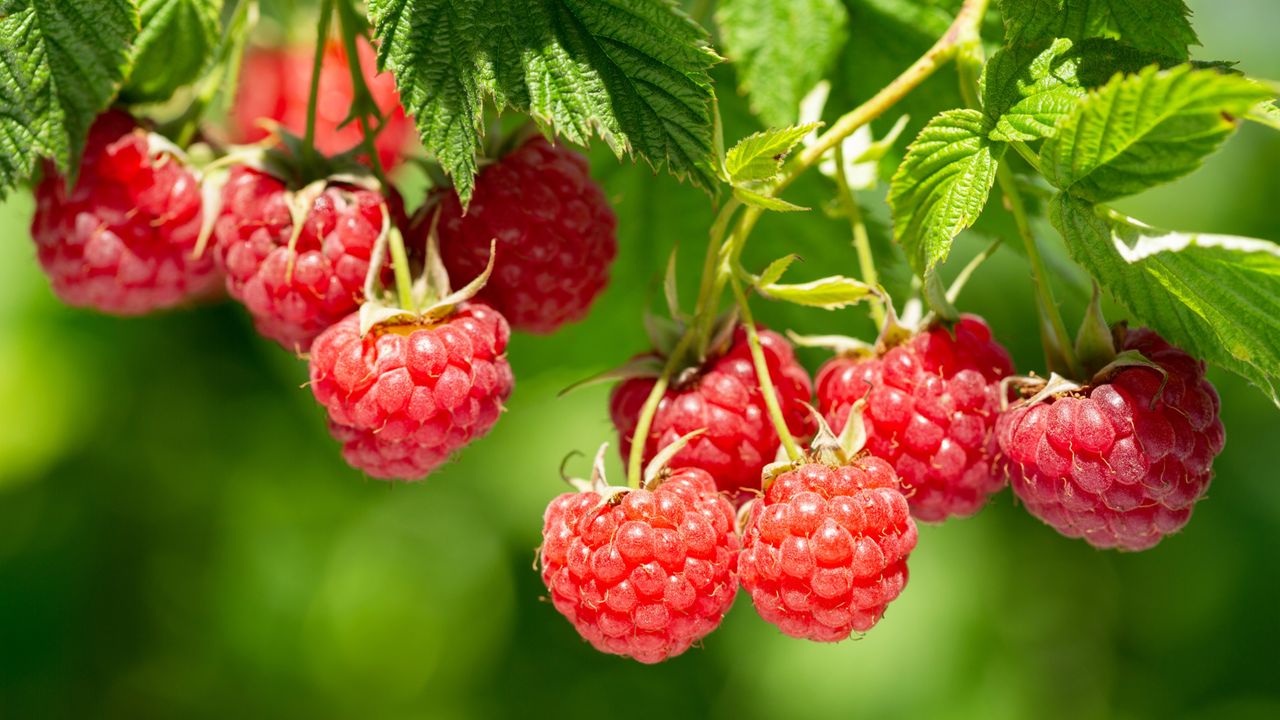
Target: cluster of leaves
column 1102, row 101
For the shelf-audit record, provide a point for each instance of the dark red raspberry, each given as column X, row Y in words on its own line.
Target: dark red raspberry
column 555, row 236
column 723, row 396
column 1119, row 463
column 643, row 574
column 931, row 413
column 275, row 85
column 403, row 399
column 293, row 296
column 825, row 550
column 122, row 240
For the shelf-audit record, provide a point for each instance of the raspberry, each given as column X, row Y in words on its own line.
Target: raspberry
column 931, row 413
column 293, row 296
column 554, row 230
column 825, row 550
column 122, row 240
column 275, row 85
column 643, row 574
column 1120, row 463
column 405, row 398
column 723, row 396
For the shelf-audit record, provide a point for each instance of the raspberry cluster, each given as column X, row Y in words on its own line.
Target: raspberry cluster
column 404, row 399
column 643, row 574
column 123, row 239
column 555, row 236
column 825, row 550
column 722, row 397
column 932, row 404
column 1119, row 464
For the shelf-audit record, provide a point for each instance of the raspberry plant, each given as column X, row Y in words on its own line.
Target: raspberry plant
column 109, row 113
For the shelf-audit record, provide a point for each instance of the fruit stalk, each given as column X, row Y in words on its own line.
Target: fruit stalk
column 313, row 100
column 363, row 106
column 762, row 373
column 639, row 439
column 861, row 242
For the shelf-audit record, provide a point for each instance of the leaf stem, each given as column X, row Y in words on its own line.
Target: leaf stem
column 762, row 373
column 317, row 64
column 861, row 241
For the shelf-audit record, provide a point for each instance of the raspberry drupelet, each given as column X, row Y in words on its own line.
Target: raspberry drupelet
column 404, row 398
column 555, row 232
column 644, row 573
column 123, row 239
column 931, row 413
column 1120, row 463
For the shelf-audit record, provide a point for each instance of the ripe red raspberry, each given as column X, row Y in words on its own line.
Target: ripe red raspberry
column 555, row 236
column 825, row 550
column 293, row 296
column 1120, row 463
column 723, row 396
column 643, row 574
column 122, row 240
column 275, row 85
column 931, row 413
column 404, row 398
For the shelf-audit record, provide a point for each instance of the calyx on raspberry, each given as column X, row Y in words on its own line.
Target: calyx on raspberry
column 297, row 259
column 646, row 572
column 720, row 394
column 934, row 396
column 1122, row 460
column 825, row 549
column 414, row 375
column 123, row 240
column 555, row 232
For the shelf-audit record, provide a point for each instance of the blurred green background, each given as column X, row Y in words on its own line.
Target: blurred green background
column 179, row 537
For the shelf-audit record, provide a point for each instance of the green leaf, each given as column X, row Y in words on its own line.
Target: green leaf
column 1143, row 130
column 176, row 40
column 61, row 62
column 1027, row 90
column 1265, row 114
column 781, row 49
column 942, row 185
column 1216, row 296
column 765, row 202
column 1157, row 26
column 758, row 157
column 632, row 72
column 773, row 273
column 829, row 293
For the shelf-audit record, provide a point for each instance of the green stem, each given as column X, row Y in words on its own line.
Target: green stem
column 700, row 11
column 400, row 266
column 762, row 373
column 362, row 102
column 1057, row 341
column 704, row 314
column 317, row 64
column 221, row 76
column 640, row 437
column 861, row 241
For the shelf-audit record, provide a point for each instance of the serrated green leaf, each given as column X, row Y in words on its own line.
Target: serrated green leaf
column 942, row 185
column 61, row 62
column 1027, row 90
column 632, row 72
column 1139, row 131
column 758, row 157
column 176, row 40
column 1157, row 26
column 829, row 293
column 1265, row 114
column 781, row 49
column 1216, row 296
column 773, row 273
column 765, row 202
